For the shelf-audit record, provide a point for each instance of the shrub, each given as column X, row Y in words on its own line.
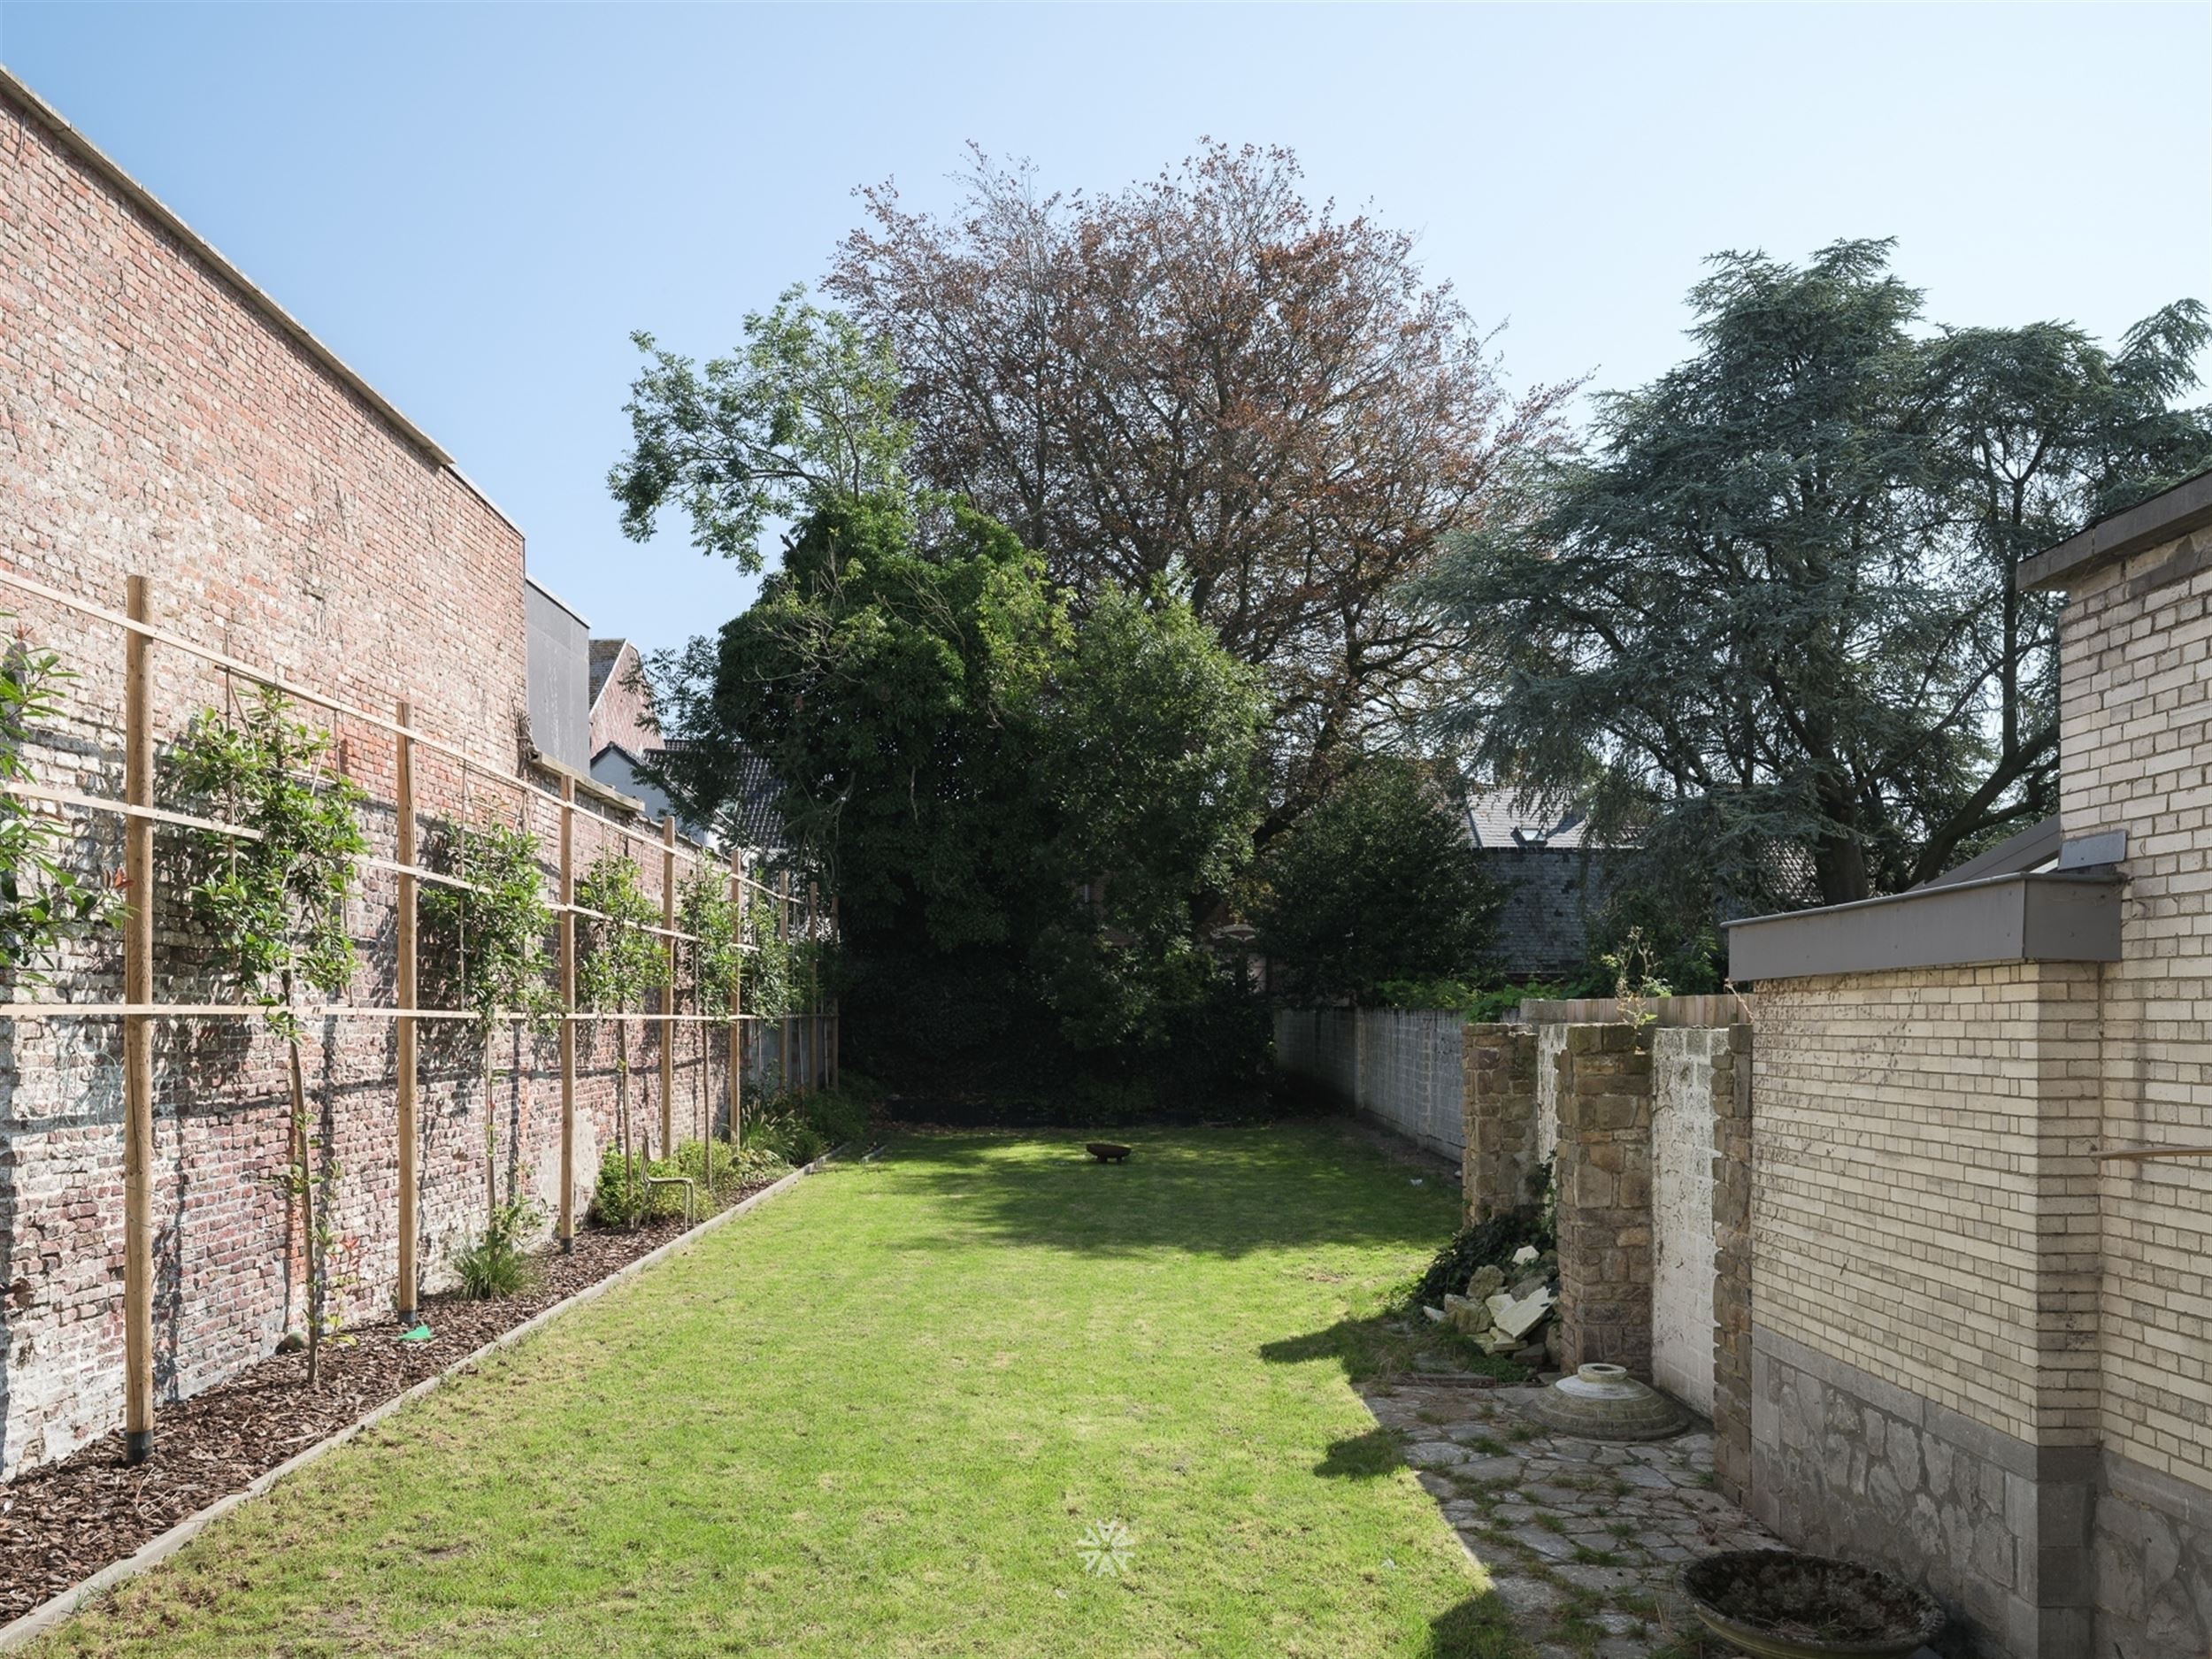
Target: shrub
column 498, row 1264
column 1485, row 1242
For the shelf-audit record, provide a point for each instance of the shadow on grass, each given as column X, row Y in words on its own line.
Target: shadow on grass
column 1480, row 1627
column 1363, row 1456
column 1391, row 1344
column 1219, row 1192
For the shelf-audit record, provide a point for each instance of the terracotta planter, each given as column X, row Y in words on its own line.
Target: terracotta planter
column 1776, row 1605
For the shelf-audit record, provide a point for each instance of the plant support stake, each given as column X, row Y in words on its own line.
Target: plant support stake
column 138, row 1039
column 403, row 806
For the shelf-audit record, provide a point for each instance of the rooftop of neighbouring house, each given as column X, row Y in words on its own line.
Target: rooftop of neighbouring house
column 1506, row 819
column 605, row 654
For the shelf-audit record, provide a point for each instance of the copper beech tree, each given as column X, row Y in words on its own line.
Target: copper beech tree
column 1208, row 380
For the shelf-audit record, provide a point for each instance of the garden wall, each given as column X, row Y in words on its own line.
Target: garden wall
column 1637, row 1116
column 165, row 417
column 1404, row 1068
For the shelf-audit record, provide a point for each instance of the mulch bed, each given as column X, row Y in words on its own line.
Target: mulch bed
column 64, row 1522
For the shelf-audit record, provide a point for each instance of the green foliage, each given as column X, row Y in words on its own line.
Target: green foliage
column 1378, row 883
column 800, row 1127
column 487, row 941
column 1000, row 792
column 276, row 908
column 618, row 957
column 620, row 1200
column 771, row 963
column 705, row 909
column 1479, row 1001
column 802, row 416
column 44, row 901
column 1482, row 1245
column 276, row 905
column 1768, row 631
column 497, row 1262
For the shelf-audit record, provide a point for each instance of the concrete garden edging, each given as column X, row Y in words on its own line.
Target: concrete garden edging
column 52, row 1611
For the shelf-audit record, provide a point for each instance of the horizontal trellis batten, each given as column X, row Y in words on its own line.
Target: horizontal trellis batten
column 139, row 1011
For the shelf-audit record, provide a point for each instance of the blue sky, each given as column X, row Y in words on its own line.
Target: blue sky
column 475, row 205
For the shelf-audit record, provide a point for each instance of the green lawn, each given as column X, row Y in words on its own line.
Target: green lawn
column 875, row 1419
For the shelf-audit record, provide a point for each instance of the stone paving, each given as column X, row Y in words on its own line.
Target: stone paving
column 1582, row 1538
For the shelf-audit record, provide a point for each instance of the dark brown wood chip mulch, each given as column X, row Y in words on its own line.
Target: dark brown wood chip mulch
column 62, row 1523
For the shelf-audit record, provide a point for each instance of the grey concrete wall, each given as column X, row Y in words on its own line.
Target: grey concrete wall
column 1404, row 1068
column 560, row 679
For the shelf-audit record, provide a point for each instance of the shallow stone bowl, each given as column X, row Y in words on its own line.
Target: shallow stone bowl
column 1775, row 1604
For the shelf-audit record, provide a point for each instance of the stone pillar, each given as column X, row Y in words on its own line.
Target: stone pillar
column 1604, row 1179
column 1499, row 1153
column 1731, row 1283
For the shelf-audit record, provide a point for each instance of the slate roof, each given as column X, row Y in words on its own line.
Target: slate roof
column 604, row 653
column 1496, row 819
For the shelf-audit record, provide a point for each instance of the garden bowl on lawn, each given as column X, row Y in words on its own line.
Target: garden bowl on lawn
column 1779, row 1605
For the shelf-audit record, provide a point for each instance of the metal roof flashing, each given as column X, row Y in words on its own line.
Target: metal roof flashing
column 2166, row 516
column 2032, row 916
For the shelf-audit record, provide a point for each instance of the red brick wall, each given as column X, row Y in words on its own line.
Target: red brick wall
column 155, row 418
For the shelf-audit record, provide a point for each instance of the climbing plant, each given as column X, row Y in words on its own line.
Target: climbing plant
column 43, row 901
column 714, row 956
column 488, row 937
column 617, row 961
column 771, row 964
column 275, row 907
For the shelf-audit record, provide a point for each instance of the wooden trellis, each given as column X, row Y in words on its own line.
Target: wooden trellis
column 139, row 1010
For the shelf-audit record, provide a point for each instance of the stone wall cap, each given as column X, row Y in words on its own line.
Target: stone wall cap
column 2166, row 515
column 2042, row 917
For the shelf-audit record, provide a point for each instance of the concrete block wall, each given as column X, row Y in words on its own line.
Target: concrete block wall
column 1404, row 1068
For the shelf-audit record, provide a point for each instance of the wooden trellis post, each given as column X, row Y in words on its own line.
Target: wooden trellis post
column 138, row 1036
column 737, row 997
column 568, row 1015
column 404, row 852
column 668, row 986
column 837, row 1011
column 813, row 986
column 787, row 1043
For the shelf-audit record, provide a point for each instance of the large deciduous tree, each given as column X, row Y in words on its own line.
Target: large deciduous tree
column 1769, row 626
column 1206, row 380
column 1019, row 808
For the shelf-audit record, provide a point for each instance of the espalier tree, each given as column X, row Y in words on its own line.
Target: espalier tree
column 491, row 936
column 617, row 960
column 714, row 955
column 275, row 906
column 43, row 901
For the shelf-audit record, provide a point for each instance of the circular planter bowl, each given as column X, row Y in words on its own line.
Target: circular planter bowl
column 1777, row 1605
column 1603, row 1402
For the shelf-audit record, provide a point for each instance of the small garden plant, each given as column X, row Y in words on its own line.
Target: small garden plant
column 617, row 961
column 498, row 1263
column 43, row 901
column 276, row 908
